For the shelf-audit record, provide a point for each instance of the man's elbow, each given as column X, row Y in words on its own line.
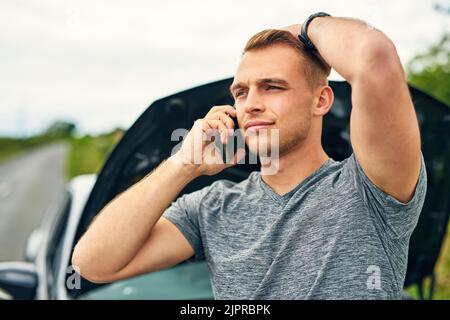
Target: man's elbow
column 379, row 57
column 85, row 268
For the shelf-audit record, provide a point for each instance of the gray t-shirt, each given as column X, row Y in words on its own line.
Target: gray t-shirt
column 334, row 236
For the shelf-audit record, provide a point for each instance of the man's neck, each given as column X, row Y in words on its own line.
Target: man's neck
column 294, row 167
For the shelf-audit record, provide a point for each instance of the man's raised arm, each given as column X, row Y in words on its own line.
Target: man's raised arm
column 384, row 129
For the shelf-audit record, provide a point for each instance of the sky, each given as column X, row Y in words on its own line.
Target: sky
column 101, row 63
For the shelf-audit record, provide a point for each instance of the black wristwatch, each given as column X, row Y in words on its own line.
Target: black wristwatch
column 303, row 36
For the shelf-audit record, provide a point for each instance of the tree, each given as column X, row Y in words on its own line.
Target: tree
column 430, row 71
column 60, row 129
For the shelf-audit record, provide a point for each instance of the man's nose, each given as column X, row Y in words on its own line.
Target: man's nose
column 253, row 103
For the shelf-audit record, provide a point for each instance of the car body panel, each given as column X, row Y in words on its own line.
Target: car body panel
column 187, row 281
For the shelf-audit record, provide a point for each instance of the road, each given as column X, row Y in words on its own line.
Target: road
column 29, row 183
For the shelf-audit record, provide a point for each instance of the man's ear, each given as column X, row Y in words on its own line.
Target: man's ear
column 324, row 100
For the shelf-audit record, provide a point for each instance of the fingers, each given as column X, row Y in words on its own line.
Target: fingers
column 218, row 125
column 227, row 109
column 225, row 118
column 294, row 29
column 223, row 114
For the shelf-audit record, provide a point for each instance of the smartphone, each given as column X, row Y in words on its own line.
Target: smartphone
column 234, row 142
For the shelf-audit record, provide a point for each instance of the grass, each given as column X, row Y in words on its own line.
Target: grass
column 88, row 153
column 442, row 272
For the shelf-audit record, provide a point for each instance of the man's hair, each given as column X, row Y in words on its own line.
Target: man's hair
column 316, row 70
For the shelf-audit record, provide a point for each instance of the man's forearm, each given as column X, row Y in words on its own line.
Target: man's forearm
column 351, row 46
column 122, row 227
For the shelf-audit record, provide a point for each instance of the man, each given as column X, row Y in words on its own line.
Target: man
column 315, row 228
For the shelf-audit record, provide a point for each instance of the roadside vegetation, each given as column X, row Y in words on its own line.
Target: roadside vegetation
column 13, row 146
column 88, row 153
column 430, row 72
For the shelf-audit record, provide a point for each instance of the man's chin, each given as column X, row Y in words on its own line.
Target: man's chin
column 264, row 150
column 263, row 143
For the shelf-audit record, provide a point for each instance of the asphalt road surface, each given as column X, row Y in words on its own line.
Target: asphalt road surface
column 29, row 184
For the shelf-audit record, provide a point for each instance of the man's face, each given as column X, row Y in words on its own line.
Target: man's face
column 270, row 86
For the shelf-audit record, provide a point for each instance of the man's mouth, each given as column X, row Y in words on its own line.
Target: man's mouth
column 256, row 125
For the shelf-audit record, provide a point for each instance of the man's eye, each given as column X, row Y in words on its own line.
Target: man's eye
column 272, row 87
column 239, row 93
